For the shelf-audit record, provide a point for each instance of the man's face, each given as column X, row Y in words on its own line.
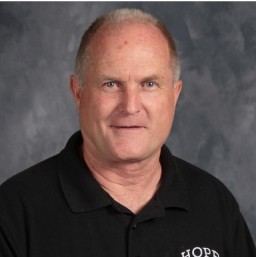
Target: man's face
column 127, row 103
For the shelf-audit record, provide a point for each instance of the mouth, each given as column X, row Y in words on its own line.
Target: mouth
column 132, row 127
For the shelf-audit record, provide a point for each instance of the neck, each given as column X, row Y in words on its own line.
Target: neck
column 132, row 184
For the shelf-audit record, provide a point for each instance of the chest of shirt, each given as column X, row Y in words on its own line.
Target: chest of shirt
column 106, row 233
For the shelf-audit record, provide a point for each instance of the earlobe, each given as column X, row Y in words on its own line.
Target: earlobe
column 74, row 85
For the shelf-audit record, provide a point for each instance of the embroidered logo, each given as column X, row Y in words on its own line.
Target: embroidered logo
column 200, row 252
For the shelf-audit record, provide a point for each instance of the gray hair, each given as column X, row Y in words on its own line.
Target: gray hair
column 116, row 18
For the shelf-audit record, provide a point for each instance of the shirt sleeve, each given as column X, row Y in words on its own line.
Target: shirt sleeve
column 239, row 239
column 243, row 242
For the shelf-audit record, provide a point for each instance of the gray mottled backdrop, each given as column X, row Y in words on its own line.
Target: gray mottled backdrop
column 215, row 123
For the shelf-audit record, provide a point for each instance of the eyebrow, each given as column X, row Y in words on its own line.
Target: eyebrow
column 151, row 77
column 109, row 78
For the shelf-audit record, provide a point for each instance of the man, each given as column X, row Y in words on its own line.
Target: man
column 116, row 190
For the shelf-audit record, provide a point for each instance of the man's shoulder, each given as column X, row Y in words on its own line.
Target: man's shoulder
column 190, row 173
column 193, row 172
column 31, row 179
column 201, row 183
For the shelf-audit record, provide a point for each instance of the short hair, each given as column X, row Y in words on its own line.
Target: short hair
column 116, row 18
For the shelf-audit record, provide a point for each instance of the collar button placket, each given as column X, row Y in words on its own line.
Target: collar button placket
column 134, row 241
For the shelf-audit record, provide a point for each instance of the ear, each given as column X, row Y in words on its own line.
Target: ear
column 177, row 89
column 75, row 88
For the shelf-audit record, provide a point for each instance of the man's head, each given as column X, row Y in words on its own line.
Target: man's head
column 116, row 19
column 127, row 102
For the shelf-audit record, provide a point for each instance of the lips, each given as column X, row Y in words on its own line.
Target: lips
column 127, row 127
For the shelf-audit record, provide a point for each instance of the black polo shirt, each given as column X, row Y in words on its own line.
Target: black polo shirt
column 57, row 209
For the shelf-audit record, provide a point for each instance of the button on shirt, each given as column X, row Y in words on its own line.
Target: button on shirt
column 57, row 208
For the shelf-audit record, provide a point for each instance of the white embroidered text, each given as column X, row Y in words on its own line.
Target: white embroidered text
column 200, row 252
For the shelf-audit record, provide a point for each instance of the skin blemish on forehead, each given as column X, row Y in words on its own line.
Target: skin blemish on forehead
column 123, row 44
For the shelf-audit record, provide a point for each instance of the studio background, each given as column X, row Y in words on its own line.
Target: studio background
column 215, row 120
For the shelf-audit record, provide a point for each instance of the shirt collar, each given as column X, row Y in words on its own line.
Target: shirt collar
column 81, row 190
column 173, row 191
column 83, row 193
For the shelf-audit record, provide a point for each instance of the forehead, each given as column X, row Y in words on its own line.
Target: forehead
column 129, row 39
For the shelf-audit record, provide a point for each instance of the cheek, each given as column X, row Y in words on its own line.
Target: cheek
column 87, row 108
column 162, row 107
column 163, row 116
column 97, row 106
column 166, row 113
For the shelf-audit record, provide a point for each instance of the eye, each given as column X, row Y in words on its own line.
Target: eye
column 149, row 84
column 110, row 84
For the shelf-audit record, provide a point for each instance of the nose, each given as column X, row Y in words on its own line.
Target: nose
column 131, row 100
